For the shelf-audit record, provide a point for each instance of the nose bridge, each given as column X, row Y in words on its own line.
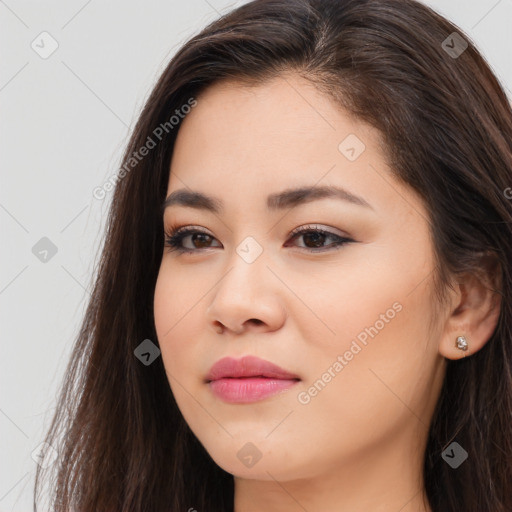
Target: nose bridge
column 247, row 267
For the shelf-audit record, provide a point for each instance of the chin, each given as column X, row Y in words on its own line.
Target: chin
column 260, row 460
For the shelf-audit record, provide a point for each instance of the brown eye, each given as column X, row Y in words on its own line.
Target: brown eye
column 314, row 238
column 199, row 239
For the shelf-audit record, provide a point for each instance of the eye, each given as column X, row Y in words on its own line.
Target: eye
column 176, row 235
column 314, row 239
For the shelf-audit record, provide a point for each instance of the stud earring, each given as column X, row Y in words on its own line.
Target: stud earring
column 461, row 343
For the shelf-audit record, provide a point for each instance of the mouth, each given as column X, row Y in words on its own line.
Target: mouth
column 247, row 380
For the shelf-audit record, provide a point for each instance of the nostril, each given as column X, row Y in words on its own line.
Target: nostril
column 219, row 327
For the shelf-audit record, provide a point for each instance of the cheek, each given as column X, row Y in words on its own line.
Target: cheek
column 168, row 309
column 376, row 321
column 369, row 294
column 385, row 375
column 177, row 310
column 177, row 305
column 177, row 297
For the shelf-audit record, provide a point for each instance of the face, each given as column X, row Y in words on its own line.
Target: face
column 334, row 289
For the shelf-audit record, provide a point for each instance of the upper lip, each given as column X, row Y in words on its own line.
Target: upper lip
column 248, row 366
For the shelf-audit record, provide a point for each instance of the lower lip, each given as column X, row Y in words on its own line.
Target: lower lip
column 249, row 389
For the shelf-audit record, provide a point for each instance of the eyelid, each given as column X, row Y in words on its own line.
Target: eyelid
column 177, row 228
column 318, row 227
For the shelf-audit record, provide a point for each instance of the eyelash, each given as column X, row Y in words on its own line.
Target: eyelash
column 176, row 234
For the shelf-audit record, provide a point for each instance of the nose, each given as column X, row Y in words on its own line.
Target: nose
column 247, row 297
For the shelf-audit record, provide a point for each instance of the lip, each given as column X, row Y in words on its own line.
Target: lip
column 248, row 379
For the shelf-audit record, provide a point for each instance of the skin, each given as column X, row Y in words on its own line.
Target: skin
column 358, row 444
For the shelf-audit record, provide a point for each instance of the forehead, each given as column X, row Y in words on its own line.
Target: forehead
column 283, row 109
column 281, row 122
column 253, row 140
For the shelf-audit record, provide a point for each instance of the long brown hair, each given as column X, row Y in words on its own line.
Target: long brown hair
column 123, row 444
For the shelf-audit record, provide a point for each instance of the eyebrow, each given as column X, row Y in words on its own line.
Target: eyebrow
column 289, row 198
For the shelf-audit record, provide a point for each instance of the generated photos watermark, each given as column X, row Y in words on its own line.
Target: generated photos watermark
column 152, row 140
column 304, row 397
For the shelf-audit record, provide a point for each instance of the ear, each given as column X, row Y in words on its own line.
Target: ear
column 474, row 311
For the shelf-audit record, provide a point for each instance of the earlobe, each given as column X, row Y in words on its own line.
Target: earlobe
column 458, row 346
column 462, row 343
column 474, row 315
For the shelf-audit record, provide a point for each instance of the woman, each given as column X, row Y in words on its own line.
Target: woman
column 303, row 300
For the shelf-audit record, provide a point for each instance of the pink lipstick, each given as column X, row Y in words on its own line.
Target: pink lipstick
column 247, row 380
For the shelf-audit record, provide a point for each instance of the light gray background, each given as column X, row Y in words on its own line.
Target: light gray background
column 65, row 121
